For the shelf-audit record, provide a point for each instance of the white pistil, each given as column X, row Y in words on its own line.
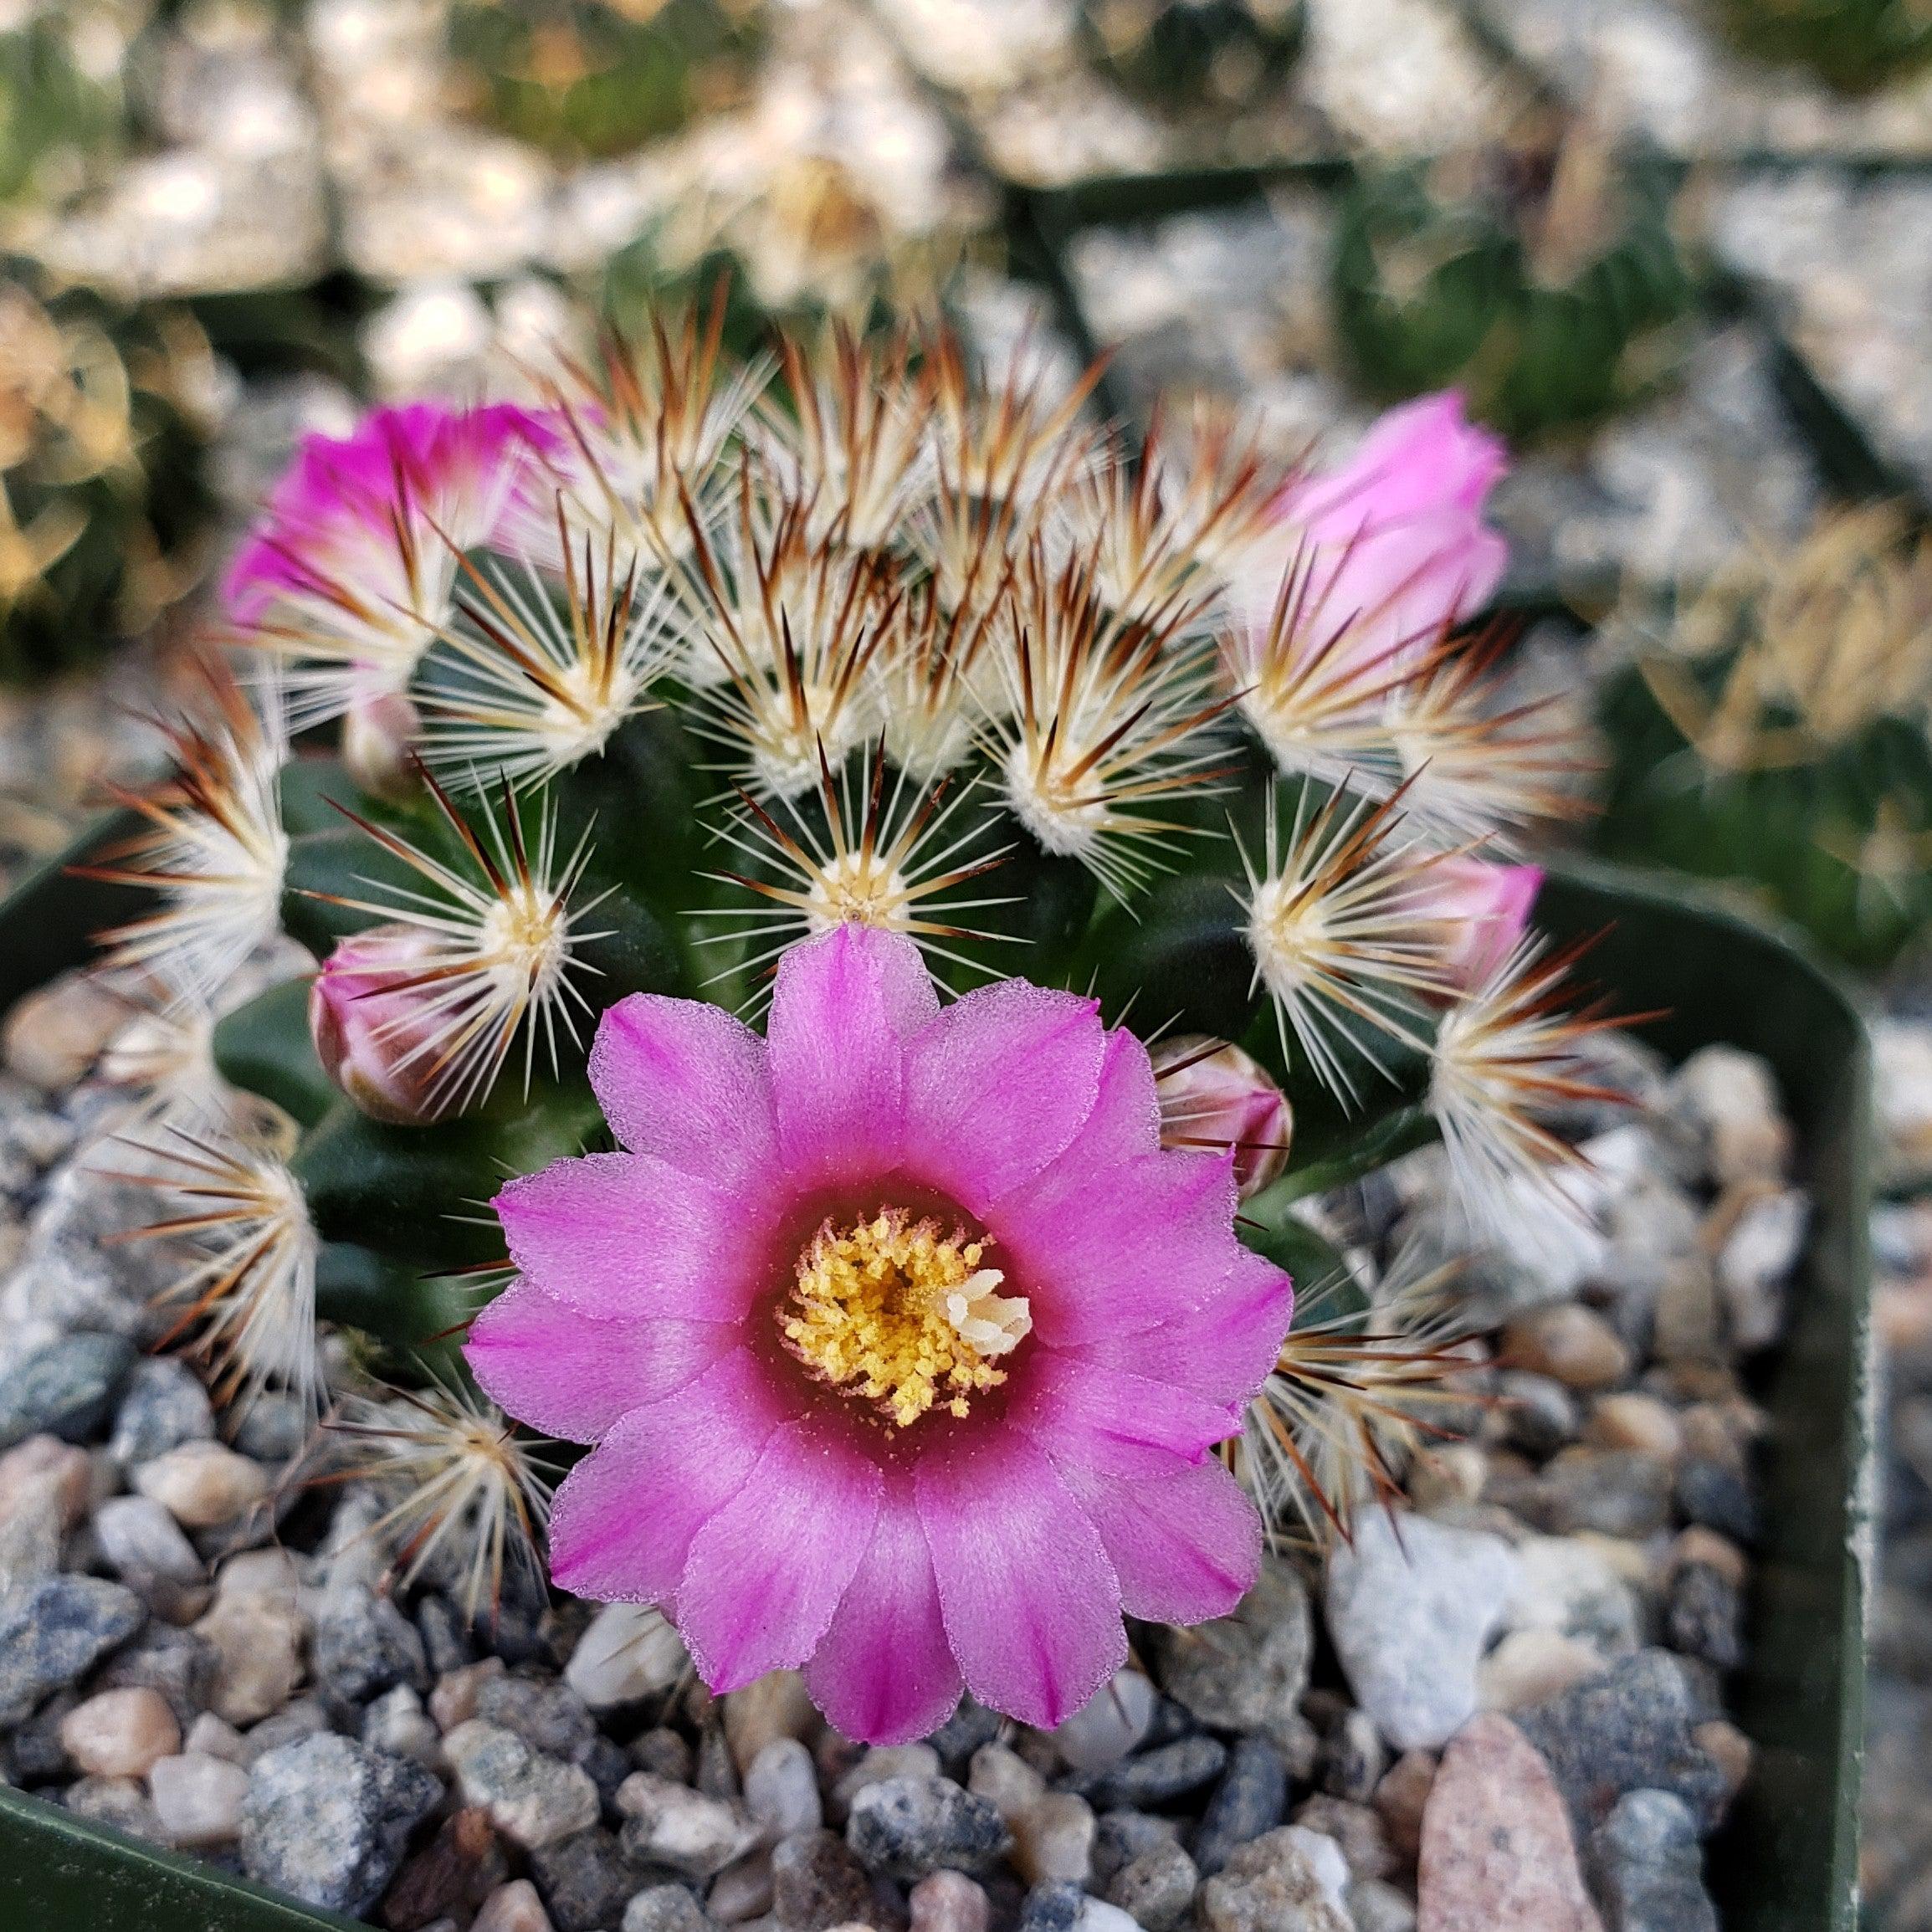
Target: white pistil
column 991, row 1324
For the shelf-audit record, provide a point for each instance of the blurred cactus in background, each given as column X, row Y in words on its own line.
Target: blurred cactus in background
column 1854, row 44
column 1773, row 728
column 1178, row 53
column 693, row 660
column 1537, row 279
column 601, row 77
column 60, row 116
column 103, row 431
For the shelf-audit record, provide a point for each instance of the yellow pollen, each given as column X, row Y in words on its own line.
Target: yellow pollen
column 891, row 1312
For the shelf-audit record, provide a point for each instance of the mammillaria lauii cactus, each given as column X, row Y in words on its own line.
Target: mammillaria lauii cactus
column 775, row 809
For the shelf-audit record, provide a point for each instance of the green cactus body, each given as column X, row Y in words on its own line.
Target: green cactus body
column 584, row 77
column 1855, row 44
column 1429, row 292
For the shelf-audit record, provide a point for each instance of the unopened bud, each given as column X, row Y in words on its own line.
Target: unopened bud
column 375, row 1020
column 379, row 734
column 1482, row 910
column 1213, row 1095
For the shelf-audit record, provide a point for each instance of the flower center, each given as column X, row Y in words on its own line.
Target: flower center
column 890, row 1312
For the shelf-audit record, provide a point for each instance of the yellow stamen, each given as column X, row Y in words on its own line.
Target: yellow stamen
column 892, row 1312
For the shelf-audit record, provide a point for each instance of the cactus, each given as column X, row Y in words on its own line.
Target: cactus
column 102, row 441
column 1854, row 44
column 1182, row 54
column 583, row 77
column 1773, row 729
column 1543, row 293
column 57, row 118
column 795, row 691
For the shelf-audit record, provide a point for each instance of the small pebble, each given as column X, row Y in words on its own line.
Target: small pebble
column 1156, row 1777
column 118, row 1802
column 453, row 1701
column 1110, row 1724
column 673, row 1825
column 949, row 1902
column 584, row 1880
column 628, row 1653
column 1704, row 1616
column 1054, row 1838
column 327, row 1819
column 1630, row 1420
column 140, row 1540
column 1718, row 1498
column 1005, row 1780
column 451, row 1876
column 396, row 1722
column 362, row 1645
column 531, row 1799
column 660, row 1909
column 1248, row 1803
column 199, row 1798
column 118, row 1733
column 1649, row 1867
column 211, row 1737
column 162, row 1406
column 259, row 1643
column 818, row 1882
column 1568, row 1343
column 1246, row 1672
column 1357, row 1829
column 64, row 1389
column 1412, row 1607
column 743, row 1890
column 1375, row 1906
column 1530, row 1666
column 1401, row 1798
column 53, row 1632
column 881, row 1762
column 1497, row 1854
column 517, row 1908
column 1157, row 1888
column 908, row 1827
column 202, row 1485
column 781, row 1790
column 1270, row 1885
column 775, row 1705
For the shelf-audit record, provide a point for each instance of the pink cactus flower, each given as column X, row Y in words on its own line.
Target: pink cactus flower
column 1393, row 542
column 378, row 1026
column 1484, row 909
column 1213, row 1095
column 903, row 1345
column 356, row 556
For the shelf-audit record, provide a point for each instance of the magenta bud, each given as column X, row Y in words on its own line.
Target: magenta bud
column 379, row 734
column 373, row 1016
column 1213, row 1095
column 1484, row 911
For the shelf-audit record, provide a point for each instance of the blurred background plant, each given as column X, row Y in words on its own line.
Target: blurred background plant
column 1181, row 53
column 104, row 413
column 1854, row 44
column 1772, row 727
column 1540, row 278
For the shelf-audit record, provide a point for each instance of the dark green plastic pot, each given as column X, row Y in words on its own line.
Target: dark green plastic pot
column 1788, row 1860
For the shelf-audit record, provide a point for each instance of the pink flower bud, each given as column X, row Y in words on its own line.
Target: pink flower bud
column 378, row 730
column 1215, row 1096
column 372, row 1017
column 1484, row 909
column 1393, row 542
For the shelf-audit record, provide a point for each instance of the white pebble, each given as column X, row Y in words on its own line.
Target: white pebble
column 119, row 1733
column 139, row 1538
column 202, row 1485
column 199, row 1798
column 1109, row 1724
column 628, row 1651
column 781, row 1790
column 1329, row 1861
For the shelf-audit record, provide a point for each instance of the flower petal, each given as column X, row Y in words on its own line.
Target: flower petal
column 884, row 1673
column 1105, row 1419
column 1032, row 1603
column 628, row 1235
column 1186, row 1548
column 765, row 1573
column 1116, row 1249
column 998, row 1085
column 843, row 1007
column 685, row 1081
column 1224, row 1350
column 563, row 1372
column 622, row 1522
